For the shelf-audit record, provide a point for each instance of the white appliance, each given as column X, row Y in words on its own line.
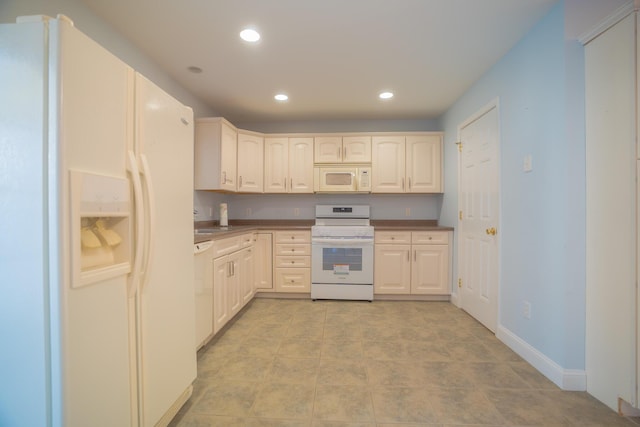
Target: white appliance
column 342, row 253
column 338, row 179
column 203, row 283
column 97, row 178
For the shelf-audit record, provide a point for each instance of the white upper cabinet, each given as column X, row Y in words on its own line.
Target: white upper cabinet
column 288, row 165
column 407, row 164
column 356, row 149
column 423, row 164
column 327, row 149
column 276, row 164
column 250, row 162
column 388, row 164
column 301, row 165
column 228, row 159
column 215, row 154
column 342, row 149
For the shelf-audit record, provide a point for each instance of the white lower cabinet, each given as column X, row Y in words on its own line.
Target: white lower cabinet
column 233, row 277
column 429, row 270
column 392, row 269
column 293, row 279
column 415, row 263
column 263, row 262
column 292, row 262
column 221, row 312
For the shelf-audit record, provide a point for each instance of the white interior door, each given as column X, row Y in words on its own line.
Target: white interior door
column 479, row 216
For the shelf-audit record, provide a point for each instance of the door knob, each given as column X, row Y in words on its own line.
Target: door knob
column 491, row 231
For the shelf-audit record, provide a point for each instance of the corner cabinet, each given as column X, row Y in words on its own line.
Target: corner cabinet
column 288, row 165
column 407, row 164
column 215, row 153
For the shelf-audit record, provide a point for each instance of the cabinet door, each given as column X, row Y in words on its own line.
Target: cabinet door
column 263, row 263
column 250, row 163
column 247, row 271
column 301, row 165
column 392, row 269
column 228, row 157
column 276, row 165
column 356, row 149
column 423, row 164
column 215, row 151
column 388, row 164
column 327, row 149
column 234, row 291
column 430, row 270
column 220, row 298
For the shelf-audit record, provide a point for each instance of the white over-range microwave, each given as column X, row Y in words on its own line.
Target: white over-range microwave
column 338, row 179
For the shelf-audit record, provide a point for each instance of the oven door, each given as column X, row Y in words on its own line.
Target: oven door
column 342, row 260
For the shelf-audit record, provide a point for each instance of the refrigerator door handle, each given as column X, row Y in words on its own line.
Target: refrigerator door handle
column 151, row 218
column 139, row 221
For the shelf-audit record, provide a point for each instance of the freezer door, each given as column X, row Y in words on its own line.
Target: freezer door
column 90, row 125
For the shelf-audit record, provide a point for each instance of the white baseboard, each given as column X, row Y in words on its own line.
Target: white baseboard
column 455, row 300
column 566, row 379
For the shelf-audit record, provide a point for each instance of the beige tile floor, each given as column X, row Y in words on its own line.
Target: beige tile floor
column 343, row 363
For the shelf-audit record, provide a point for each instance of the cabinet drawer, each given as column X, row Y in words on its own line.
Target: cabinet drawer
column 392, row 237
column 430, row 237
column 293, row 236
column 293, row 249
column 247, row 239
column 293, row 261
column 226, row 246
column 293, row 280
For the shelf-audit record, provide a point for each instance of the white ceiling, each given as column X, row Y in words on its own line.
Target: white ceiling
column 332, row 57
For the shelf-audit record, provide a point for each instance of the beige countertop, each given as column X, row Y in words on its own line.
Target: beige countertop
column 242, row 226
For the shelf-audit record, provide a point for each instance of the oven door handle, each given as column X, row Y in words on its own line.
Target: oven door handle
column 342, row 242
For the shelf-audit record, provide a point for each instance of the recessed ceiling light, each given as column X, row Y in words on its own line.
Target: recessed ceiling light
column 386, row 95
column 194, row 69
column 249, row 35
column 281, row 97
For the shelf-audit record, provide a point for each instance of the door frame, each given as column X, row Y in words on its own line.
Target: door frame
column 457, row 298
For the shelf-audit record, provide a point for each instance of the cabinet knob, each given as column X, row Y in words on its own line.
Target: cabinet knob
column 491, row 231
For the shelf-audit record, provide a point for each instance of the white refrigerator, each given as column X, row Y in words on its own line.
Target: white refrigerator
column 96, row 226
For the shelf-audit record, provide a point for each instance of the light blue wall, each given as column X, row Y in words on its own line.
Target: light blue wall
column 539, row 84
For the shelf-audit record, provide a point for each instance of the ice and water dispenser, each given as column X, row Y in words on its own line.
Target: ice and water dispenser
column 100, row 227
